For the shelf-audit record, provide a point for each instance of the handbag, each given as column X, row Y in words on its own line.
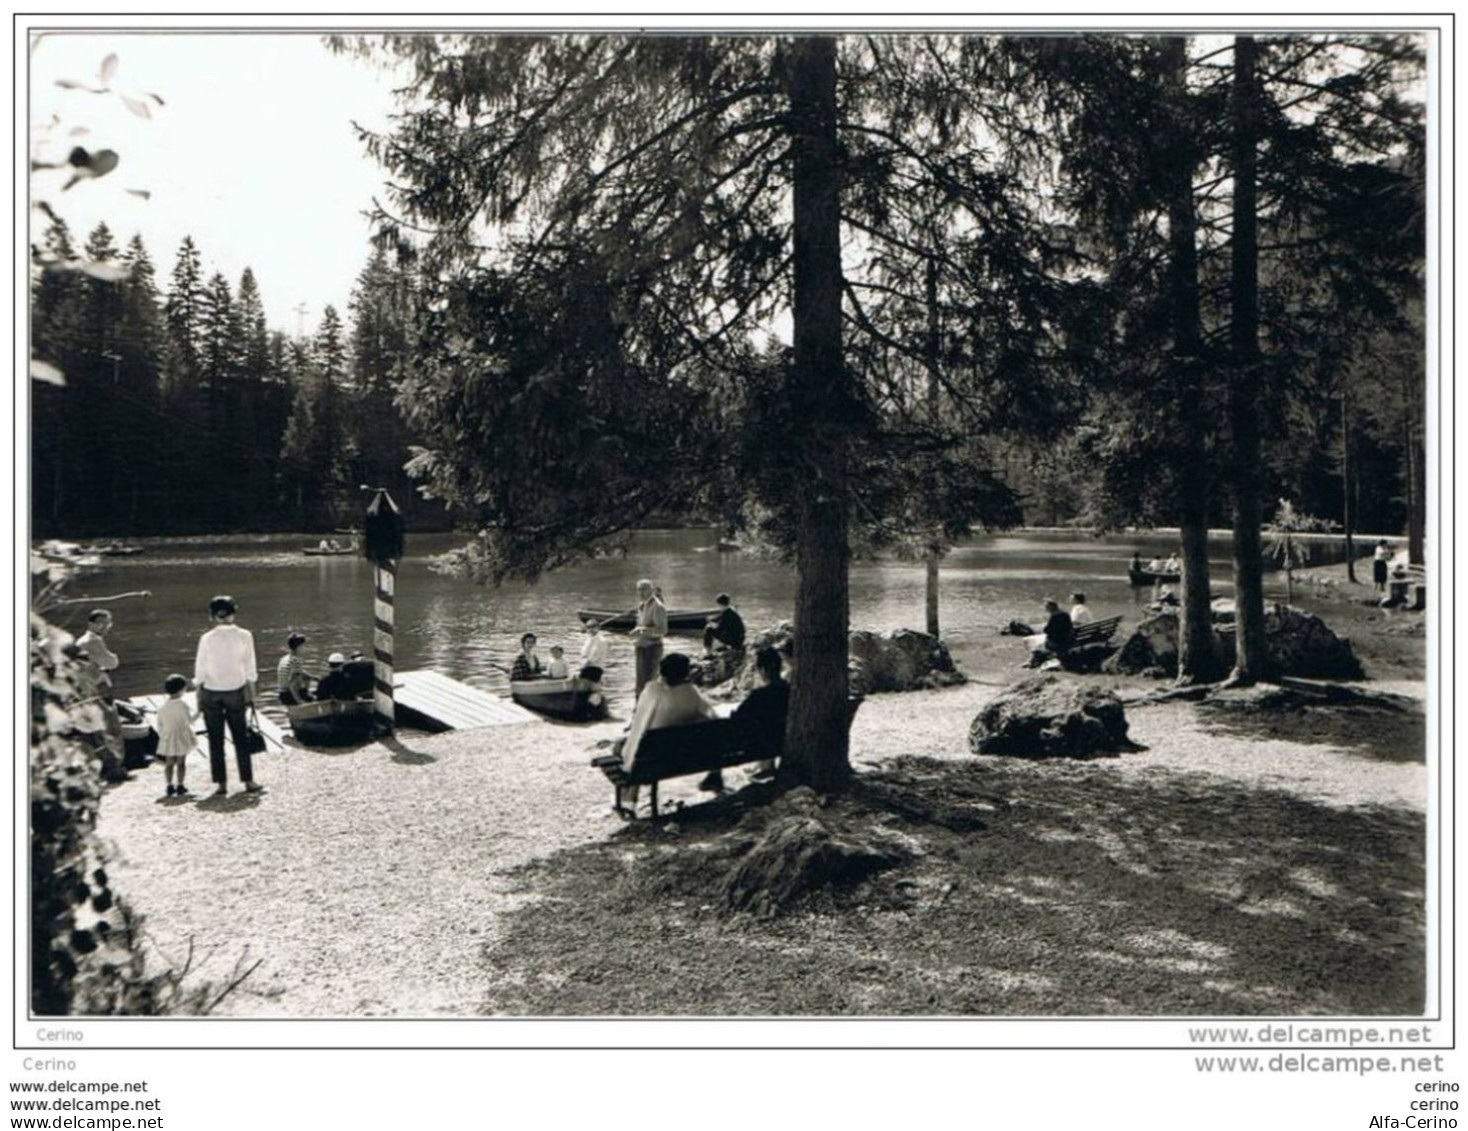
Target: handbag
column 254, row 737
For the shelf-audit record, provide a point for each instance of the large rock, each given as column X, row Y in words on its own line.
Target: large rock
column 1297, row 643
column 1047, row 717
column 1300, row 644
column 903, row 660
column 1151, row 648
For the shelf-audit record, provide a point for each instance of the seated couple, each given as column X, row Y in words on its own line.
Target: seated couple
column 341, row 681
column 670, row 700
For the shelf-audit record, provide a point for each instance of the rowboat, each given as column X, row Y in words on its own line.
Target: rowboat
column 572, row 698
column 332, row 722
column 1150, row 576
column 679, row 620
column 726, row 544
column 318, row 552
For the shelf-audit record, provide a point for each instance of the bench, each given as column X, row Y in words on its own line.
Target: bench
column 1096, row 632
column 695, row 748
column 1088, row 647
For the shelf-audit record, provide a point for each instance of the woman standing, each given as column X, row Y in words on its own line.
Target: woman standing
column 224, row 673
column 1379, row 564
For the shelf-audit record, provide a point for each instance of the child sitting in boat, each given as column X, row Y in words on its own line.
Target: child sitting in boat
column 292, row 679
column 175, row 734
column 557, row 668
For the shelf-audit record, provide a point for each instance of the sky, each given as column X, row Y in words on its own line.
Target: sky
column 253, row 154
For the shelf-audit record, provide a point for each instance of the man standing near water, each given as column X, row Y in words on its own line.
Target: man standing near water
column 647, row 636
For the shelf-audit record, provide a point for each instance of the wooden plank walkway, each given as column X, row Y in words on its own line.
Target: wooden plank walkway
column 455, row 705
column 269, row 727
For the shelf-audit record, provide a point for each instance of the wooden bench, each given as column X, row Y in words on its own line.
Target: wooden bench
column 695, row 748
column 1096, row 632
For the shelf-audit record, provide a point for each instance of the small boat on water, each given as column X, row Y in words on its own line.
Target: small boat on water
column 727, row 544
column 1152, row 576
column 332, row 722
column 577, row 699
column 679, row 620
column 329, row 552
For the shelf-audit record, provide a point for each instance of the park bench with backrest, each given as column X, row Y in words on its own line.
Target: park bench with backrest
column 1095, row 632
column 694, row 748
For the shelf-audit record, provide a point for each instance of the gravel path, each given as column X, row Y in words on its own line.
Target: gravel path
column 370, row 881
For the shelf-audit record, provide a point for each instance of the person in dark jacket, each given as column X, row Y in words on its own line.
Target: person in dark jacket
column 1056, row 637
column 725, row 627
column 763, row 713
column 335, row 684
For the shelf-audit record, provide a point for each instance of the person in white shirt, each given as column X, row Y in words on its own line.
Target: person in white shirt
column 594, row 649
column 94, row 644
column 647, row 636
column 557, row 668
column 1079, row 613
column 668, row 701
column 224, row 672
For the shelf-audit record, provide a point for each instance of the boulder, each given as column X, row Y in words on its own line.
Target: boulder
column 903, row 660
column 1152, row 647
column 1298, row 644
column 1047, row 717
column 710, row 671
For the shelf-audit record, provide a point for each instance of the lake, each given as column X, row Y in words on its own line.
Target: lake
column 459, row 628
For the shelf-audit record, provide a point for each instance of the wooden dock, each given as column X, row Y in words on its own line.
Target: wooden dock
column 269, row 727
column 424, row 699
column 440, row 703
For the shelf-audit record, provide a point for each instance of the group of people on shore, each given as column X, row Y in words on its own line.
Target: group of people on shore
column 226, row 674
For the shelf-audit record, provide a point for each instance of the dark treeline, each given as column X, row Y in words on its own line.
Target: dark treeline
column 183, row 413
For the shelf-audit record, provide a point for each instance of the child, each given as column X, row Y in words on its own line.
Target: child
column 557, row 668
column 594, row 650
column 175, row 734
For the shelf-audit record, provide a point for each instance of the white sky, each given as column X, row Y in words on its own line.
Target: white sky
column 253, row 155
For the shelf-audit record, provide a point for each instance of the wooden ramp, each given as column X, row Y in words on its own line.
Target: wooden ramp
column 447, row 704
column 269, row 727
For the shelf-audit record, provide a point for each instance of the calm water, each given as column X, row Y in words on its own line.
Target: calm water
column 459, row 628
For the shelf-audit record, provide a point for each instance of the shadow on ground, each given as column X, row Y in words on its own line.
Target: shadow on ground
column 1367, row 724
column 1055, row 889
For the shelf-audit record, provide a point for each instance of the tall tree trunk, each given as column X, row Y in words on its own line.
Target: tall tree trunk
column 931, row 350
column 816, row 751
column 1251, row 657
column 1416, row 473
column 1347, row 515
column 1198, row 659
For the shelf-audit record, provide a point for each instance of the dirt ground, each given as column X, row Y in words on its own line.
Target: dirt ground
column 1250, row 859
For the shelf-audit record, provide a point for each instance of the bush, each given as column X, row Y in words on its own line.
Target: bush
column 84, row 950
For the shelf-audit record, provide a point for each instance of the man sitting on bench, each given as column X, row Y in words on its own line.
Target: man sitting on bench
column 668, row 701
column 1056, row 637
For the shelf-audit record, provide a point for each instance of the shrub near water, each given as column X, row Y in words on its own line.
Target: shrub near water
column 82, row 948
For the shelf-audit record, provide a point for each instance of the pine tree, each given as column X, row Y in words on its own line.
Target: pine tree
column 255, row 348
column 184, row 316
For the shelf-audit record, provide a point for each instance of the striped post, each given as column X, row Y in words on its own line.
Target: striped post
column 385, row 578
